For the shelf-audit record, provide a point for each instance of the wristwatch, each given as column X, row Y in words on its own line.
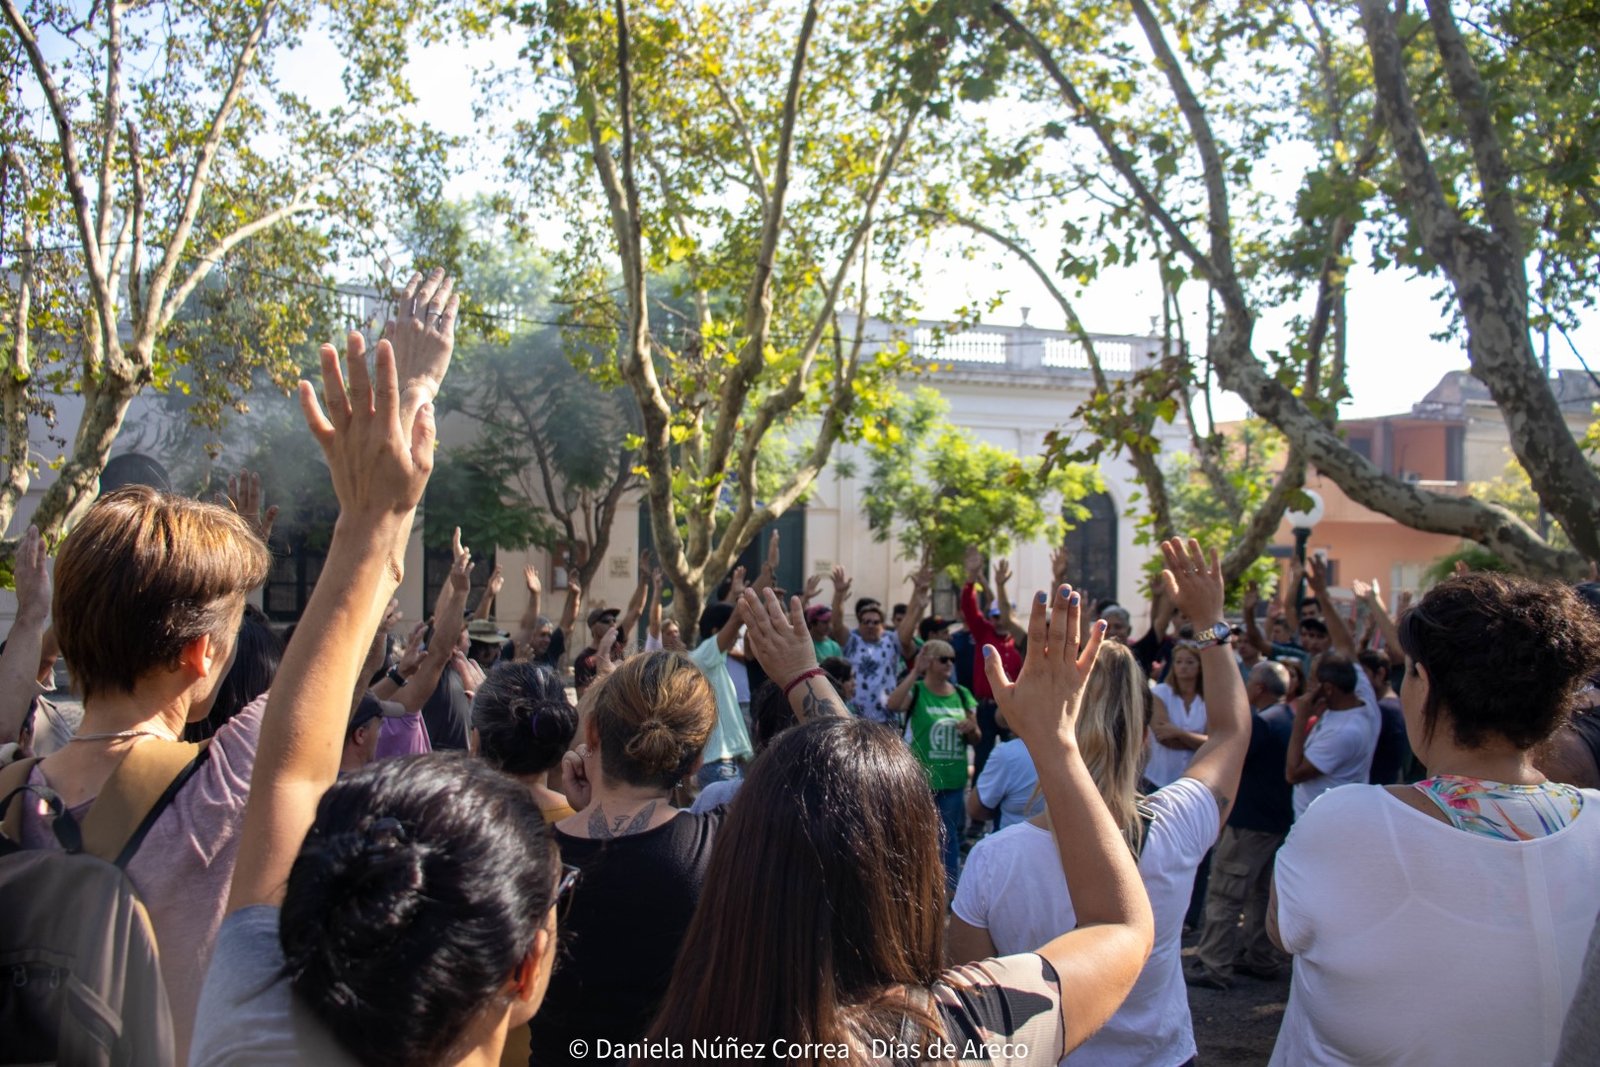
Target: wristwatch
column 1218, row 634
column 396, row 677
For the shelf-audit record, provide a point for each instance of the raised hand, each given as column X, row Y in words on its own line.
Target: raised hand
column 1060, row 563
column 646, row 565
column 1194, row 585
column 31, row 569
column 573, row 586
column 841, row 583
column 422, row 335
column 461, row 563
column 244, row 497
column 497, row 582
column 656, row 578
column 1406, row 596
column 1317, row 574
column 604, row 664
column 391, row 616
column 1252, row 597
column 379, row 447
column 922, row 580
column 1041, row 706
column 813, row 588
column 779, row 639
column 736, row 585
column 575, row 784
column 1002, row 573
column 1364, row 591
column 972, row 560
column 411, row 659
column 771, row 565
column 530, row 576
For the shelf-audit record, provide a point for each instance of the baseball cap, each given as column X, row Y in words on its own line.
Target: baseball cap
column 932, row 625
column 818, row 613
column 370, row 707
column 603, row 615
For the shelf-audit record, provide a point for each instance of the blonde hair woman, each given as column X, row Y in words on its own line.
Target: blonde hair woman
column 1004, row 900
column 941, row 721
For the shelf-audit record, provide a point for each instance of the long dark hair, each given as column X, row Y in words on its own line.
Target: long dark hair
column 824, row 899
column 418, row 891
column 523, row 717
column 256, row 655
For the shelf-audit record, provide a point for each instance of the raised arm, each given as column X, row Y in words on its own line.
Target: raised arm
column 378, row 436
column 1098, row 961
column 448, row 621
column 782, row 645
column 569, row 613
column 1296, row 768
column 907, row 630
column 841, row 589
column 528, row 625
column 1252, row 632
column 767, row 577
column 655, row 604
column 1008, row 624
column 1338, row 629
column 628, row 625
column 899, row 699
column 19, row 663
column 497, row 582
column 1380, row 615
column 1195, row 585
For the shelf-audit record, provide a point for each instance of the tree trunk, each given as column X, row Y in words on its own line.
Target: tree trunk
column 78, row 482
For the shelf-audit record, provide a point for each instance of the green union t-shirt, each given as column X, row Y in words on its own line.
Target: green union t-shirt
column 932, row 733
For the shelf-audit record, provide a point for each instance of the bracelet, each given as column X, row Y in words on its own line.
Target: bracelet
column 814, row 672
column 396, row 677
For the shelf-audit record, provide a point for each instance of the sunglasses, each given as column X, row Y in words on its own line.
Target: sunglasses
column 947, row 659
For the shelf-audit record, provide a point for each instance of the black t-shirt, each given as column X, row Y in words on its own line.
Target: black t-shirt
column 552, row 654
column 1389, row 757
column 448, row 713
column 1266, row 799
column 620, row 936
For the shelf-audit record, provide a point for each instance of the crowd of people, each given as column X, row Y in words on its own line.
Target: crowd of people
column 913, row 840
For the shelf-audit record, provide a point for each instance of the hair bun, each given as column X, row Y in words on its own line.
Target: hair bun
column 655, row 746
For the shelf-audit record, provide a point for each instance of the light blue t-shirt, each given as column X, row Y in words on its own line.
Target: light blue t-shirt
column 1007, row 784
column 729, row 739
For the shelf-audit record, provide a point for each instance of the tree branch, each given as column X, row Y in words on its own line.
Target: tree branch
column 156, row 304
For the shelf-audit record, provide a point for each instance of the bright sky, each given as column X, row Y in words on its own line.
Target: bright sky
column 1393, row 360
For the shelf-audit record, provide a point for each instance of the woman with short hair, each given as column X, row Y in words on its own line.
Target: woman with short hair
column 940, row 722
column 1484, row 868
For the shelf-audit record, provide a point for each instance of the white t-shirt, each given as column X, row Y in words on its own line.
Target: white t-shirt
column 737, row 671
column 1341, row 745
column 1166, row 765
column 1418, row 943
column 1013, row 887
column 1007, row 784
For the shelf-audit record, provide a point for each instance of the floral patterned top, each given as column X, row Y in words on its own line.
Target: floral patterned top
column 1501, row 810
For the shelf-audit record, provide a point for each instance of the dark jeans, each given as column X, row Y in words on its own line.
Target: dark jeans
column 952, row 804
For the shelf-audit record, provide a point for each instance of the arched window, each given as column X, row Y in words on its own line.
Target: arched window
column 1092, row 543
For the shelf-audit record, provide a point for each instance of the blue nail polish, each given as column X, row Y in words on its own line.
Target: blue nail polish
column 1101, row 626
column 1039, row 597
column 1064, row 592
column 988, row 650
column 1073, row 599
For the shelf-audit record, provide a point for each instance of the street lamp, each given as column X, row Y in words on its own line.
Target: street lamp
column 1303, row 521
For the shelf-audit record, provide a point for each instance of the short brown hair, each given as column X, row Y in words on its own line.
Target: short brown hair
column 144, row 574
column 653, row 714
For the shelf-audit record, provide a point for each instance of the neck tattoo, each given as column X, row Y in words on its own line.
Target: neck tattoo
column 604, row 827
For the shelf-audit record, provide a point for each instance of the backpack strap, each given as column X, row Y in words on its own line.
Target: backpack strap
column 14, row 776
column 138, row 791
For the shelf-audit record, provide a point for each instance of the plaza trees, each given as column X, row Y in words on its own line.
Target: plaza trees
column 768, row 153
column 165, row 192
column 939, row 490
column 1466, row 155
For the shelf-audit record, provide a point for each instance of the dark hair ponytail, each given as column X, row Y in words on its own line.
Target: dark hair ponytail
column 523, row 718
column 417, row 892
